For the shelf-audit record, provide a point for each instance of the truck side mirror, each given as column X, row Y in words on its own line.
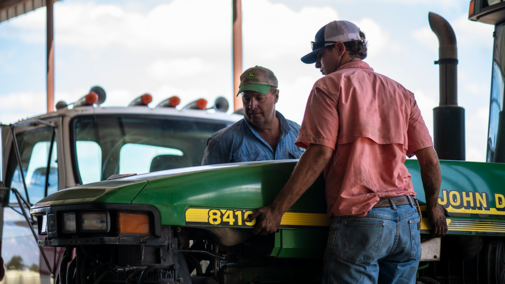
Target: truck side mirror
column 4, row 191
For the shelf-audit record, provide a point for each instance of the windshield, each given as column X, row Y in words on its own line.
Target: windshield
column 497, row 93
column 34, row 148
column 108, row 145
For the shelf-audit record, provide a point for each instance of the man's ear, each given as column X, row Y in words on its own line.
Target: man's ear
column 276, row 95
column 340, row 48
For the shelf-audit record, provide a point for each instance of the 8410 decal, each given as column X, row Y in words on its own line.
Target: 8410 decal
column 218, row 217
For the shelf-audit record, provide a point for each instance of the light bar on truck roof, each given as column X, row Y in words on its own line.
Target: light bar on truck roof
column 142, row 100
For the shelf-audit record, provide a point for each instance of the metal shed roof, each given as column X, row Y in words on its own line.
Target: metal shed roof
column 13, row 8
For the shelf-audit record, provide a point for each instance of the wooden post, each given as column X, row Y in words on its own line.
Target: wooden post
column 237, row 51
column 50, row 55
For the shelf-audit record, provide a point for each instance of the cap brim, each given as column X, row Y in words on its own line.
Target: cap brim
column 255, row 88
column 310, row 58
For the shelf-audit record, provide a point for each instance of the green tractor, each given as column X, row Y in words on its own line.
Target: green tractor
column 188, row 225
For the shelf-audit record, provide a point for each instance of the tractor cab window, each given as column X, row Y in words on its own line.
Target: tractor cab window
column 34, row 147
column 497, row 95
column 106, row 145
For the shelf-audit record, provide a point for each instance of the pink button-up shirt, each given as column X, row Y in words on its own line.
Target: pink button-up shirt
column 371, row 122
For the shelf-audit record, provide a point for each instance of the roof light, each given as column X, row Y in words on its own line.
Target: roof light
column 61, row 105
column 91, row 98
column 173, row 101
column 146, row 99
column 142, row 100
column 198, row 104
column 201, row 104
column 88, row 100
column 96, row 96
column 471, row 10
column 221, row 104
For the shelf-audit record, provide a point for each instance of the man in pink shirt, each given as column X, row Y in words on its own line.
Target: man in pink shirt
column 358, row 127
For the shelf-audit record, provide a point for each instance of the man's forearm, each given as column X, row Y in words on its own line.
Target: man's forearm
column 430, row 174
column 432, row 179
column 308, row 169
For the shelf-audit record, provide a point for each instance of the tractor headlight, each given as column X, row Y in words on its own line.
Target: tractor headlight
column 69, row 224
column 95, row 221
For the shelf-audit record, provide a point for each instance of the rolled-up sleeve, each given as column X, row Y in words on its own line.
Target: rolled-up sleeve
column 418, row 134
column 320, row 123
column 215, row 153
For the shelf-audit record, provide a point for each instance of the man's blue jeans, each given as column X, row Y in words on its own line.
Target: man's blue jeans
column 382, row 247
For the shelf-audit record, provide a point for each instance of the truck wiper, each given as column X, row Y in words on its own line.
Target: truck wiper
column 48, row 168
column 18, row 158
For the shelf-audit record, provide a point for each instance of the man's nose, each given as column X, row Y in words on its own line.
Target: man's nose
column 253, row 104
column 318, row 63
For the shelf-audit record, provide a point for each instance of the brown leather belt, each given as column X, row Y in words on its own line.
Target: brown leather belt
column 399, row 200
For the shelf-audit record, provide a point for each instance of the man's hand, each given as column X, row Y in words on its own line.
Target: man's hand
column 267, row 220
column 432, row 178
column 437, row 216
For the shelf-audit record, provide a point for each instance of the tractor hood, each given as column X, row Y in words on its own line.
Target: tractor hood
column 189, row 196
column 113, row 191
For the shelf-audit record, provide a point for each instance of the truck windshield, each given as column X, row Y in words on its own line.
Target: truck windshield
column 497, row 92
column 108, row 145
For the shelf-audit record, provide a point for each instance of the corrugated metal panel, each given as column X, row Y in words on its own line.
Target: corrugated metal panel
column 16, row 8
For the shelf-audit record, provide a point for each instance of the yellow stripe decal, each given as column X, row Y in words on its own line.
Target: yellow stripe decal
column 236, row 218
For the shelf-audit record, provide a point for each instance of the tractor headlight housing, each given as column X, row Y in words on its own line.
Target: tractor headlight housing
column 69, row 222
column 95, row 221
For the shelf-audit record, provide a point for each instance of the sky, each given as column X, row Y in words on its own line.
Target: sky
column 183, row 47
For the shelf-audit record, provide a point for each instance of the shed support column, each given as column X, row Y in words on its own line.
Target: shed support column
column 237, row 51
column 50, row 56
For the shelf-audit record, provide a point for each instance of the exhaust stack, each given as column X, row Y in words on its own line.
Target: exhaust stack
column 448, row 117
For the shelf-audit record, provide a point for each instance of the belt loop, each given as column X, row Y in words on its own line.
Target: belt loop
column 393, row 205
column 410, row 201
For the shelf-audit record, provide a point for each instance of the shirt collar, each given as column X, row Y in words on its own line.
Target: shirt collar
column 283, row 126
column 356, row 64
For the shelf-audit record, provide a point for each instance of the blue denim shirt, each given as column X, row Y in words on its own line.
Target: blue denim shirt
column 239, row 142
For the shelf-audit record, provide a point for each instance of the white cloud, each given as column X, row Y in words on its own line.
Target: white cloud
column 274, row 31
column 16, row 106
column 176, row 68
column 376, row 36
column 93, row 26
column 426, row 101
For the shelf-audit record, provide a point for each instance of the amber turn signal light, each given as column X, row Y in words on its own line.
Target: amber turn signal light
column 146, row 99
column 201, row 104
column 91, row 98
column 133, row 223
column 174, row 101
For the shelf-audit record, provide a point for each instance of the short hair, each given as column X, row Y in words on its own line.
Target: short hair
column 356, row 48
column 272, row 89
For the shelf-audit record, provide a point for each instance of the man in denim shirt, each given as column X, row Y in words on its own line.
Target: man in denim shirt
column 264, row 134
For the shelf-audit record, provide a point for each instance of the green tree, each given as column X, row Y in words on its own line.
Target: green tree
column 34, row 268
column 16, row 263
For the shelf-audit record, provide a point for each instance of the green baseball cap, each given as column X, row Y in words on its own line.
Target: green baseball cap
column 258, row 79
